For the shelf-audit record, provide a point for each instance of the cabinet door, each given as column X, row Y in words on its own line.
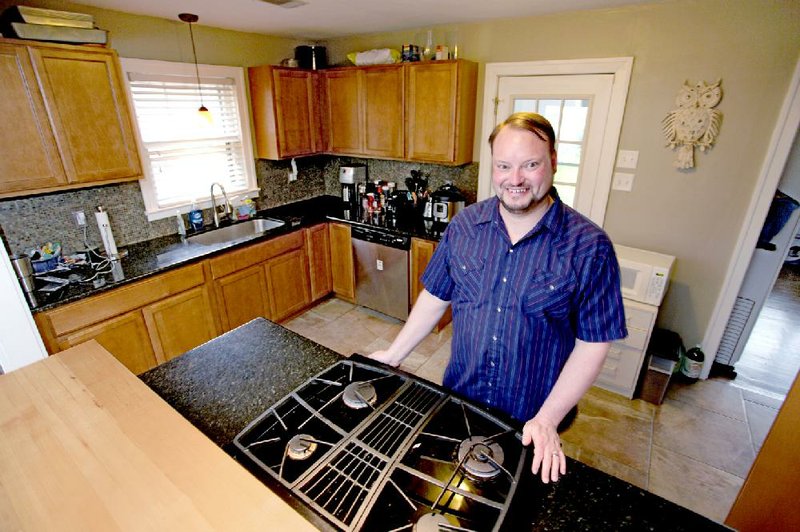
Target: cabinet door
column 288, row 284
column 421, row 253
column 295, row 112
column 89, row 112
column 125, row 337
column 318, row 249
column 180, row 323
column 31, row 159
column 342, row 268
column 440, row 111
column 242, row 296
column 383, row 111
column 344, row 111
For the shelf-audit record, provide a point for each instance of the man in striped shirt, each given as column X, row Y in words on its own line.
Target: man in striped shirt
column 534, row 288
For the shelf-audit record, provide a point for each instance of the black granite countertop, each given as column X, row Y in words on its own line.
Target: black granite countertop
column 224, row 384
column 155, row 256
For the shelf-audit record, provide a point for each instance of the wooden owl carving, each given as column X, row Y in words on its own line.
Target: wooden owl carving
column 695, row 122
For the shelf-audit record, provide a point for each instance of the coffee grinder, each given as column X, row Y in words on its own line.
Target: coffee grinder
column 348, row 177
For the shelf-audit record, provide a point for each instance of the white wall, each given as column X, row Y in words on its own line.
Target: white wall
column 20, row 343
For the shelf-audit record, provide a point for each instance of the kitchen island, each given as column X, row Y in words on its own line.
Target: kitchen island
column 222, row 385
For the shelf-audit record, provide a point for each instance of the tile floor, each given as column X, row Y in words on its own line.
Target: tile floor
column 695, row 449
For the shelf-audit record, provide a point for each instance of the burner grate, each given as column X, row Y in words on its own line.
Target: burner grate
column 341, row 487
column 390, row 429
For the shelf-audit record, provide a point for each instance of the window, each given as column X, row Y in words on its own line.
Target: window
column 182, row 153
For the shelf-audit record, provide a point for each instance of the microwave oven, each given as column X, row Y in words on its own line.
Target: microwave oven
column 644, row 274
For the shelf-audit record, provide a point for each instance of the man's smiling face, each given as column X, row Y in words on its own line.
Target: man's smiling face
column 522, row 169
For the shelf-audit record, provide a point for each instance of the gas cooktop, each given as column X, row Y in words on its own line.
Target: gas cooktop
column 367, row 447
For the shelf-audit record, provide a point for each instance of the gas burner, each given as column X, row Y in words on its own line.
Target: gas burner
column 300, row 447
column 483, row 459
column 434, row 522
column 359, row 395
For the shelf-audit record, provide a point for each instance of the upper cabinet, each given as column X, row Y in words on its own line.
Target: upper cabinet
column 285, row 112
column 366, row 111
column 66, row 111
column 411, row 111
column 440, row 111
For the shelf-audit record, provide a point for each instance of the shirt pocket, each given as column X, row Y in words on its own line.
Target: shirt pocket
column 548, row 295
column 467, row 274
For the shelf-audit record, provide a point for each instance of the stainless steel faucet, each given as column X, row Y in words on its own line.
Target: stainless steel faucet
column 226, row 208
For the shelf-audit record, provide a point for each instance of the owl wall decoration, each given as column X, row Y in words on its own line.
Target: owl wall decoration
column 695, row 122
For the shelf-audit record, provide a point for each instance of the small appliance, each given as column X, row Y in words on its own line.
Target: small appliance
column 644, row 274
column 349, row 176
column 447, row 202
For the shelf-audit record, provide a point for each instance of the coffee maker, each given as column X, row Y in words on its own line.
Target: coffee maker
column 348, row 177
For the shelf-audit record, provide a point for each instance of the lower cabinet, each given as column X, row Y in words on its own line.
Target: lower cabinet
column 342, row 265
column 421, row 254
column 142, row 324
column 318, row 249
column 288, row 284
column 623, row 364
column 242, row 296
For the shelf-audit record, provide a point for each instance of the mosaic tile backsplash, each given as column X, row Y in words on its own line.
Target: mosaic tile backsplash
column 32, row 221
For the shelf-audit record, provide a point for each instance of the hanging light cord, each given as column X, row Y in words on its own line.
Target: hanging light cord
column 196, row 69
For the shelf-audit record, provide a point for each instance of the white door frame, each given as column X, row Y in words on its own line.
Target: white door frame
column 620, row 67
column 778, row 151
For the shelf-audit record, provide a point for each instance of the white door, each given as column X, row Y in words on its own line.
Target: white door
column 577, row 106
column 586, row 98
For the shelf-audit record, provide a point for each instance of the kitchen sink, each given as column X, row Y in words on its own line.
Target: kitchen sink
column 238, row 232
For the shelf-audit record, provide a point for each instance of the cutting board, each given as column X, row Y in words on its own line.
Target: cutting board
column 85, row 445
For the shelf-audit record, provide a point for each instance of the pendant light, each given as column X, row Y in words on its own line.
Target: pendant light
column 190, row 18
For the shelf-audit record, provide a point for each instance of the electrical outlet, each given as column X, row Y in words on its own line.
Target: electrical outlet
column 622, row 181
column 627, row 159
column 80, row 218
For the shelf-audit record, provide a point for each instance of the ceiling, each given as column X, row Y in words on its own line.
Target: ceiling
column 324, row 19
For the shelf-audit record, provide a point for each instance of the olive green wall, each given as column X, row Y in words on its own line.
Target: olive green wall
column 695, row 215
column 168, row 40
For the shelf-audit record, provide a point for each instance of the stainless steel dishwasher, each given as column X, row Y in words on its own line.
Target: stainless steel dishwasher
column 381, row 263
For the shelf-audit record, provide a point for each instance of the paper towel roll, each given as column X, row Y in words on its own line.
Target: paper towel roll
column 105, row 233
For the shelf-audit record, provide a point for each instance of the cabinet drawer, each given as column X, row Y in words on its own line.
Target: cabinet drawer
column 638, row 317
column 636, row 339
column 256, row 254
column 620, row 370
column 126, row 298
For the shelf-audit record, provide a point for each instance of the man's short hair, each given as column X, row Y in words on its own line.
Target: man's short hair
column 533, row 122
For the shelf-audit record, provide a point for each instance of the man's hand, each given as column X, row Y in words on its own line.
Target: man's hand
column 547, row 451
column 386, row 357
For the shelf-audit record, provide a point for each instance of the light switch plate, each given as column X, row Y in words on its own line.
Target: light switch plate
column 622, row 181
column 627, row 159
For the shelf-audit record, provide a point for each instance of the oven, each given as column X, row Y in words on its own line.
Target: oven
column 363, row 446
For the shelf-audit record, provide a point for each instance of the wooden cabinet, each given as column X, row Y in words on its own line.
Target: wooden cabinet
column 318, row 250
column 288, row 284
column 178, row 323
column 440, row 111
column 621, row 368
column 268, row 279
column 365, row 110
column 421, row 253
column 285, row 112
column 142, row 324
column 342, row 267
column 65, row 116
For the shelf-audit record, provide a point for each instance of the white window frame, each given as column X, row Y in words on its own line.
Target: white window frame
column 620, row 67
column 150, row 66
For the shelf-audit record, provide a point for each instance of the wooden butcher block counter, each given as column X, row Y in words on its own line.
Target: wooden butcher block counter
column 85, row 445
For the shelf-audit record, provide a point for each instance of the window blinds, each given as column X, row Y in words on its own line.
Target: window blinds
column 185, row 152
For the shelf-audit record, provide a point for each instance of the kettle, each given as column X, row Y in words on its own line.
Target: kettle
column 447, row 202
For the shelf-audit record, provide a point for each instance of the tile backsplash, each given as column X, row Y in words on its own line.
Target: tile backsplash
column 29, row 222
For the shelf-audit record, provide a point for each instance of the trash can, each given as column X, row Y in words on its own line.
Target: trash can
column 663, row 353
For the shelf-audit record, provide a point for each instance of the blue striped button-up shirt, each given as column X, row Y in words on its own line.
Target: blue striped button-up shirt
column 517, row 309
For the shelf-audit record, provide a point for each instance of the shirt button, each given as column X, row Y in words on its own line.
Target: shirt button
column 491, row 363
column 498, row 309
column 463, row 267
column 490, row 384
column 505, row 279
column 494, row 338
column 552, row 287
column 511, row 250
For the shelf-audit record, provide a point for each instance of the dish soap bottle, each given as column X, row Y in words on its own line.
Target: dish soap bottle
column 195, row 218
